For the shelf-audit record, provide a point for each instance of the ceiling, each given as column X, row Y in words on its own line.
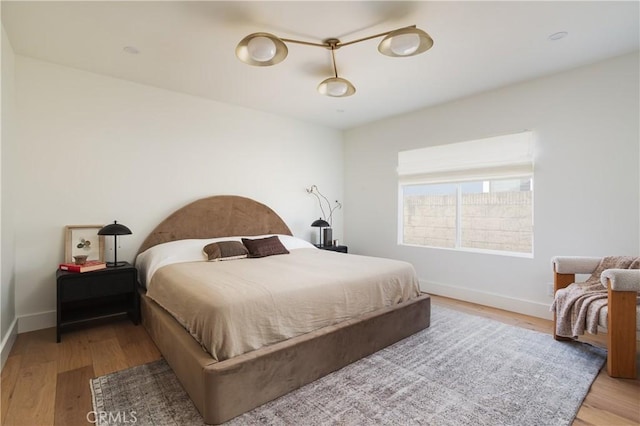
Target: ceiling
column 189, row 47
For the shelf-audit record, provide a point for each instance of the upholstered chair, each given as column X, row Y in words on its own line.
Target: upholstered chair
column 620, row 317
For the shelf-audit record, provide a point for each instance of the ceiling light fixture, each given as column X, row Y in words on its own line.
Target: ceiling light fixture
column 264, row 49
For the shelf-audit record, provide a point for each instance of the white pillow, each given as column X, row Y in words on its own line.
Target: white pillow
column 154, row 258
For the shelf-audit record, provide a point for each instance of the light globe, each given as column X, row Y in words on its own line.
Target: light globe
column 261, row 49
column 405, row 44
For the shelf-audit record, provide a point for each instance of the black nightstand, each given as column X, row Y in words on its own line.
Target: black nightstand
column 341, row 249
column 88, row 296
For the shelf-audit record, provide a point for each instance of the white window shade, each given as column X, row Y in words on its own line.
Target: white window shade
column 497, row 157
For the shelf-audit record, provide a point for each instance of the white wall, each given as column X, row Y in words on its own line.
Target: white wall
column 92, row 149
column 7, row 275
column 586, row 199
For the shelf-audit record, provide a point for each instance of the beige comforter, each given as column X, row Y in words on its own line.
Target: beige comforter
column 237, row 306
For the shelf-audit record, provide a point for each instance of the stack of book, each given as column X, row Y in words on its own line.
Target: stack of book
column 90, row 265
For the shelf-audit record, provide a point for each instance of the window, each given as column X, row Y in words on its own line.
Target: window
column 475, row 195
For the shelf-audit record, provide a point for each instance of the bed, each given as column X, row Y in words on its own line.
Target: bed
column 226, row 381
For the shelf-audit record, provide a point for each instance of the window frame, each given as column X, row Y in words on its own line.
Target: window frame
column 458, row 237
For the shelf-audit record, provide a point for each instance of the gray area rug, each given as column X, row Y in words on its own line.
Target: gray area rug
column 463, row 370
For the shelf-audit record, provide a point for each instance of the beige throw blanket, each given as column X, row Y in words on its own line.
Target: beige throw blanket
column 578, row 306
column 237, row 306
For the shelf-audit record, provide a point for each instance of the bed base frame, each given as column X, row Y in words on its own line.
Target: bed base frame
column 226, row 389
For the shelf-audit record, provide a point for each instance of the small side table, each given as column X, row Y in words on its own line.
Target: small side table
column 341, row 249
column 88, row 296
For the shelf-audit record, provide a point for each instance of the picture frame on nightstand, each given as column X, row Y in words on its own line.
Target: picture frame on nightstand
column 83, row 240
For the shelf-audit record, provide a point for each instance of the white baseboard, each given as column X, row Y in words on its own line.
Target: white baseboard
column 36, row 321
column 521, row 306
column 7, row 342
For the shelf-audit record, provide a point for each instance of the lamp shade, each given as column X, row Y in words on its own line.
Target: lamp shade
column 320, row 223
column 261, row 49
column 336, row 87
column 115, row 228
column 408, row 41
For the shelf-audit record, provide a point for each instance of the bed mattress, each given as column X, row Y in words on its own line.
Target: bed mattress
column 234, row 307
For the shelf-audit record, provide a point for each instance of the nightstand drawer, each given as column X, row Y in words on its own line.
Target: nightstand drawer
column 117, row 284
column 96, row 286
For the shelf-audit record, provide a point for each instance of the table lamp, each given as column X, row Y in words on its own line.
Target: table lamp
column 320, row 223
column 115, row 229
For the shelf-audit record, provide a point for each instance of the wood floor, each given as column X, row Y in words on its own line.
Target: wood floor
column 47, row 383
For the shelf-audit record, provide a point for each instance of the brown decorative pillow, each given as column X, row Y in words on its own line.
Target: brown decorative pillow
column 263, row 247
column 225, row 250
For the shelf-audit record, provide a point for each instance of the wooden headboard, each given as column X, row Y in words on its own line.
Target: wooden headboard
column 214, row 217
